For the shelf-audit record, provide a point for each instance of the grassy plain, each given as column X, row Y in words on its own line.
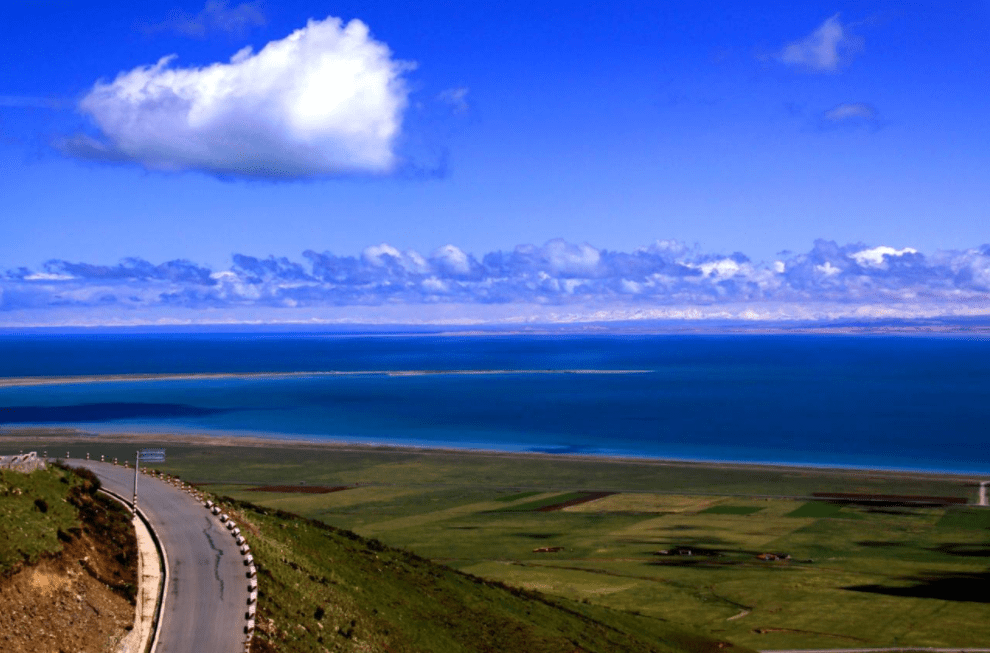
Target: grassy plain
column 323, row 589
column 856, row 577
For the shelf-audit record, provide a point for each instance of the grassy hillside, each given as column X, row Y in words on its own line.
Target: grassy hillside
column 322, row 588
column 857, row 575
column 34, row 509
column 67, row 564
column 42, row 512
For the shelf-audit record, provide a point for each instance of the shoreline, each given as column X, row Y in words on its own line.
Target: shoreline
column 28, row 381
column 702, row 457
column 68, row 435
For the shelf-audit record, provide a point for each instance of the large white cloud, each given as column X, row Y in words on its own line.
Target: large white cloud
column 326, row 100
column 824, row 50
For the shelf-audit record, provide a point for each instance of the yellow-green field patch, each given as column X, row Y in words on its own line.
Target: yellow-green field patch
column 711, row 530
column 641, row 502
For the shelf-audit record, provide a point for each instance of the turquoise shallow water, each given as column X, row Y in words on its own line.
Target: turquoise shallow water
column 917, row 403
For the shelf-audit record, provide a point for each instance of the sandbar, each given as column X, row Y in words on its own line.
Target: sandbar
column 16, row 381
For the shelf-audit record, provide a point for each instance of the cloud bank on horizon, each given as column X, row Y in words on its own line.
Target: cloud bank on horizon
column 325, row 101
column 556, row 282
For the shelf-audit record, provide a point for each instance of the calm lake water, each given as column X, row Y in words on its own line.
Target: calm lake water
column 896, row 402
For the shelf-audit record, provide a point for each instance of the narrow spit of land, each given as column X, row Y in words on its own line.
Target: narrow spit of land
column 14, row 381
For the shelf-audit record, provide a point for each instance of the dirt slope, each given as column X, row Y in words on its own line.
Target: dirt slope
column 77, row 599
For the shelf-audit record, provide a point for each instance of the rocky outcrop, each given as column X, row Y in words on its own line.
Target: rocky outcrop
column 24, row 463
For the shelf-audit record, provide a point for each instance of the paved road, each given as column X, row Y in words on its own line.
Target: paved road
column 207, row 591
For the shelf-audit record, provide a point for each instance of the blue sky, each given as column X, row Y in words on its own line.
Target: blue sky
column 512, row 156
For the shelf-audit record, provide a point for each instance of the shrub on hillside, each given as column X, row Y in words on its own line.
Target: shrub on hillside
column 91, row 482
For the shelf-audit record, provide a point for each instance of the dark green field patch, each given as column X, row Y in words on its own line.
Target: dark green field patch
column 533, row 506
column 731, row 510
column 816, row 510
column 968, row 519
column 518, row 495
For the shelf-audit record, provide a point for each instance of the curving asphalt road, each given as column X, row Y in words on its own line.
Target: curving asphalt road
column 207, row 591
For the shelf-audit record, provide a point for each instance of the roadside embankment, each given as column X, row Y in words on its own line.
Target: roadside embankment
column 150, row 579
column 67, row 564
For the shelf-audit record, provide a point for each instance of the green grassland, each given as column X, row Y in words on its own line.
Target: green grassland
column 505, row 473
column 33, row 509
column 322, row 589
column 856, row 576
column 42, row 511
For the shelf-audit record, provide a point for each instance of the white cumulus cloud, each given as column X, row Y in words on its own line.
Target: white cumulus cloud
column 452, row 259
column 723, row 268
column 327, row 100
column 828, row 269
column 876, row 256
column 374, row 254
column 572, row 260
column 826, row 49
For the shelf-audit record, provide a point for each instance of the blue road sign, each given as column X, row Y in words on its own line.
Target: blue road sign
column 151, row 455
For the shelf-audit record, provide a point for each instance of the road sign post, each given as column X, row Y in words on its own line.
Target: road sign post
column 137, row 466
column 147, row 456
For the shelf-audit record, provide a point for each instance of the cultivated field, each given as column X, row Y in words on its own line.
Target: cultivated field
column 678, row 542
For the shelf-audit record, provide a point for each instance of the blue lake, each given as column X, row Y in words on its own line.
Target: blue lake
column 867, row 401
